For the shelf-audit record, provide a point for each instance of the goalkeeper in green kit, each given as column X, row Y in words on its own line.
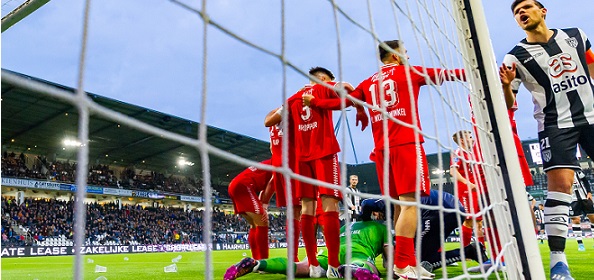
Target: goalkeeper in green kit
column 369, row 239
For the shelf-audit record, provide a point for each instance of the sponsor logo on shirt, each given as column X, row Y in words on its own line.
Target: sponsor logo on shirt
column 561, row 69
column 560, row 64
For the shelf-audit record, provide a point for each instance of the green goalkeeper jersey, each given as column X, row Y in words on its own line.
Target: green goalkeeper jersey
column 367, row 239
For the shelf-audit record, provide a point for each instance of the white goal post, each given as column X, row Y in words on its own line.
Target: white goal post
column 524, row 260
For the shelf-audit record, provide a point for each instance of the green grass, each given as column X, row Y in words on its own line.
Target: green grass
column 191, row 266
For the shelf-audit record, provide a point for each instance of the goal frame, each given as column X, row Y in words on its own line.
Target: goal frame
column 524, row 260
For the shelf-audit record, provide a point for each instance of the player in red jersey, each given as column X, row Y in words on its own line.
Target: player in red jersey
column 395, row 89
column 467, row 177
column 311, row 137
column 316, row 152
column 249, row 191
column 273, row 122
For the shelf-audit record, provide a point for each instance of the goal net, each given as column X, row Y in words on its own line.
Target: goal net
column 274, row 44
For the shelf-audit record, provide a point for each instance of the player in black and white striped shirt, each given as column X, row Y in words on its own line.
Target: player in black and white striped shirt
column 581, row 204
column 556, row 66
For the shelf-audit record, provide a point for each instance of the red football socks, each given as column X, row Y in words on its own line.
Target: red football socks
column 331, row 229
column 466, row 235
column 494, row 245
column 404, row 252
column 308, row 231
column 252, row 241
column 296, row 231
column 262, row 241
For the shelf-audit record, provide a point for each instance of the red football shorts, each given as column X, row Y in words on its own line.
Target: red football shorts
column 404, row 164
column 278, row 182
column 244, row 199
column 325, row 169
column 470, row 201
column 523, row 163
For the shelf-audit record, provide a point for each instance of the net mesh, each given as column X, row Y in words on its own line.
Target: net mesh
column 337, row 32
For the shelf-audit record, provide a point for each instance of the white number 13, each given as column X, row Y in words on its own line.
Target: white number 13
column 390, row 93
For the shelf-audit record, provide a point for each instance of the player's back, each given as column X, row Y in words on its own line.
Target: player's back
column 313, row 128
column 399, row 85
column 367, row 238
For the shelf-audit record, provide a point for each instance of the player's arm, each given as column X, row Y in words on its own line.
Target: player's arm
column 335, row 104
column 459, row 178
column 274, row 117
column 385, row 255
column 438, row 76
column 510, row 79
column 507, row 74
column 266, row 195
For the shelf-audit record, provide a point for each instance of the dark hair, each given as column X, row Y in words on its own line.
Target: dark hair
column 383, row 52
column 517, row 2
column 313, row 71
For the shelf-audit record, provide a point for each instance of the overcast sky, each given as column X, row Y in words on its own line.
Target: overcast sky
column 150, row 53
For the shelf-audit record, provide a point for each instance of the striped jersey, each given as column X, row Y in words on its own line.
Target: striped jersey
column 556, row 73
column 581, row 186
column 539, row 215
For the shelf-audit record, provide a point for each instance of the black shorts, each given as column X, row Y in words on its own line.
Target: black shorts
column 558, row 146
column 581, row 207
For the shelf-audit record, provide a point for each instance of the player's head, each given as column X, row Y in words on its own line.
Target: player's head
column 321, row 73
column 387, row 55
column 354, row 180
column 464, row 139
column 541, row 206
column 373, row 209
column 529, row 14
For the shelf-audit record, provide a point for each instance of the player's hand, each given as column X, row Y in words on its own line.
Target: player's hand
column 507, row 74
column 307, row 99
column 472, row 187
column 589, row 196
column 348, row 87
column 362, row 118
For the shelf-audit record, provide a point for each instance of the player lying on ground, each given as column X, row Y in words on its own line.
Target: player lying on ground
column 368, row 240
column 364, row 254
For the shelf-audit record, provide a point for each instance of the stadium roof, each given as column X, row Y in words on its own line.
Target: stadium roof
column 38, row 124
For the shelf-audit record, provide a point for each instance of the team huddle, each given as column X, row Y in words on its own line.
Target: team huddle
column 555, row 65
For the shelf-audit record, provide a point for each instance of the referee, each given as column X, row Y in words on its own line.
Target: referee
column 354, row 200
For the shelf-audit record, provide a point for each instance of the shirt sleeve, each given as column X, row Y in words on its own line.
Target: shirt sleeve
column 334, row 103
column 455, row 160
column 437, row 75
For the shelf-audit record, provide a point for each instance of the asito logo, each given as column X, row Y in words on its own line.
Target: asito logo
column 564, row 64
column 560, row 64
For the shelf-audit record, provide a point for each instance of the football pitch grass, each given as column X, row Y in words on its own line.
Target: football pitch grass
column 192, row 266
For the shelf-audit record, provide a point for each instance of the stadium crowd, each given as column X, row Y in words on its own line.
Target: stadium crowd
column 131, row 224
column 99, row 175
